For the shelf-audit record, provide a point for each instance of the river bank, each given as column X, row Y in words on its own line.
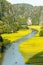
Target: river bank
column 13, row 37
column 15, row 58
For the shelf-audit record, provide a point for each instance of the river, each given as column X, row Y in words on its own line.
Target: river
column 12, row 56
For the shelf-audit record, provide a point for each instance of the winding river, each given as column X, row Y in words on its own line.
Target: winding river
column 12, row 55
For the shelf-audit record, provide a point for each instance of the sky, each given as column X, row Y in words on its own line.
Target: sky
column 32, row 2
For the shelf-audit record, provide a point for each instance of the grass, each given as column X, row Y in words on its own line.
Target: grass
column 32, row 46
column 15, row 36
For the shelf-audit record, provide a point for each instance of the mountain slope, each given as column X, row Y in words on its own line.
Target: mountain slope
column 19, row 13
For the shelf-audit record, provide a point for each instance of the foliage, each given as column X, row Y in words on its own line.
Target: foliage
column 41, row 33
column 5, row 42
column 15, row 16
column 42, row 27
column 37, row 59
column 10, row 22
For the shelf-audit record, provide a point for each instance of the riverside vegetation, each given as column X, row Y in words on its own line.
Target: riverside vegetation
column 13, row 26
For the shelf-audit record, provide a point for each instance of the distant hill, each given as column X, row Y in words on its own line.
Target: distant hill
column 19, row 13
column 23, row 10
column 37, row 15
column 27, row 10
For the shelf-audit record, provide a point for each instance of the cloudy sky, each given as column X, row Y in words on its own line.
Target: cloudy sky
column 33, row 2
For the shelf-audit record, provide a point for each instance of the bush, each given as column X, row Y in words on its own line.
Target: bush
column 41, row 33
column 4, row 45
column 42, row 27
column 5, row 42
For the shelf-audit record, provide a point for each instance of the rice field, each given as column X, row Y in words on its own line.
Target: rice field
column 17, row 35
column 13, row 37
column 32, row 46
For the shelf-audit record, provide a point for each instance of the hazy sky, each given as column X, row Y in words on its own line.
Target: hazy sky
column 33, row 2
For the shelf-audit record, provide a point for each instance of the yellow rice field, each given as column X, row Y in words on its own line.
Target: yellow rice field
column 17, row 35
column 35, row 27
column 38, row 28
column 29, row 47
column 32, row 46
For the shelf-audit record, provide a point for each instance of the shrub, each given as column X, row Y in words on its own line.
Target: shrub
column 42, row 27
column 5, row 42
column 41, row 33
column 3, row 45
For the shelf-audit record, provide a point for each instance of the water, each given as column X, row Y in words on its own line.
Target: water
column 12, row 55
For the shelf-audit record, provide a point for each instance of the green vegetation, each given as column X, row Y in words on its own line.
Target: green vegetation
column 42, row 27
column 14, row 17
column 5, row 42
column 41, row 33
column 36, row 59
column 9, row 22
